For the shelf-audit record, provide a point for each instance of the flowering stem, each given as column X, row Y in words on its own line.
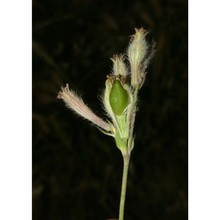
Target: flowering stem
column 126, row 159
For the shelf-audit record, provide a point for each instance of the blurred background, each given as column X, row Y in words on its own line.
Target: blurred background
column 76, row 169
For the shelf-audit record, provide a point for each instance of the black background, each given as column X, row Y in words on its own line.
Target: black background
column 76, row 169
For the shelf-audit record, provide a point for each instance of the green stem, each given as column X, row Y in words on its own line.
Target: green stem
column 126, row 159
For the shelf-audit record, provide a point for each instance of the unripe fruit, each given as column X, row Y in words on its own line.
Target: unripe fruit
column 119, row 98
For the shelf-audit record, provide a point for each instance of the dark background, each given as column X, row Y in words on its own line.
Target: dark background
column 76, row 169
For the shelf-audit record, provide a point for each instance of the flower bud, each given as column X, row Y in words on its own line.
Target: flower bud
column 137, row 51
column 75, row 103
column 119, row 67
column 119, row 98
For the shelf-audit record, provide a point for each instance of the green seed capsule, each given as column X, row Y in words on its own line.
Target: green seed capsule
column 119, row 98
